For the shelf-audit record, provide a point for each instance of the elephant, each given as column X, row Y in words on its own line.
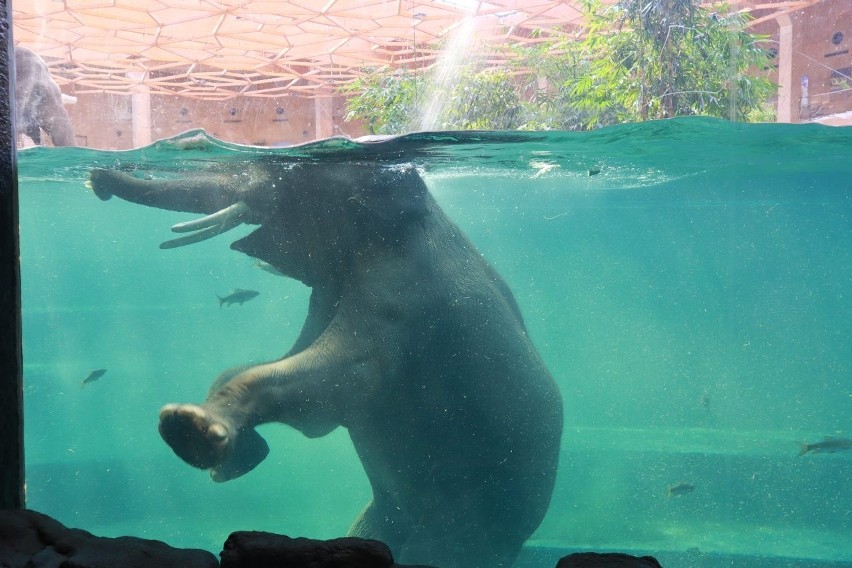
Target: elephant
column 412, row 342
column 39, row 101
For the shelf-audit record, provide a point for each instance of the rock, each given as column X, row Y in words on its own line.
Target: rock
column 251, row 549
column 32, row 540
column 606, row 560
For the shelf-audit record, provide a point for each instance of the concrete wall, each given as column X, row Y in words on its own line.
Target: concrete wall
column 106, row 121
column 813, row 64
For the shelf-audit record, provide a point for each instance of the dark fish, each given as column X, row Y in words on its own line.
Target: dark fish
column 93, row 376
column 829, row 445
column 681, row 488
column 237, row 296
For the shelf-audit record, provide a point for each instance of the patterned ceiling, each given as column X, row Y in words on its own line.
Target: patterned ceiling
column 220, row 49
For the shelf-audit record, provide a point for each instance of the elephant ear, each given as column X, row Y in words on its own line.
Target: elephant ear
column 394, row 196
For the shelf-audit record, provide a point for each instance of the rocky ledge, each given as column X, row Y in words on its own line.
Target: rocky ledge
column 32, row 540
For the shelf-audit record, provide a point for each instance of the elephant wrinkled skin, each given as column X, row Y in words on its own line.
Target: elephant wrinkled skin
column 412, row 342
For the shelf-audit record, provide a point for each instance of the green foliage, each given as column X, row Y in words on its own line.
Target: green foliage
column 650, row 59
column 639, row 60
column 385, row 100
column 482, row 100
column 546, row 105
column 395, row 102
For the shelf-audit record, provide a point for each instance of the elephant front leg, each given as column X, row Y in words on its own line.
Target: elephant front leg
column 314, row 391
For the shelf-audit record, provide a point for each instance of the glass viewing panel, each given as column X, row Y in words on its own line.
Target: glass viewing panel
column 677, row 241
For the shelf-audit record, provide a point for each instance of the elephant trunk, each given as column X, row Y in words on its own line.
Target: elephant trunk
column 193, row 195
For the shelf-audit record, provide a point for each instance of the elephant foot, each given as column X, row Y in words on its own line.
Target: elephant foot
column 194, row 435
column 202, row 441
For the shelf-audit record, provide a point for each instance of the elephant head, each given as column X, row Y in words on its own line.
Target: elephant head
column 39, row 101
column 313, row 217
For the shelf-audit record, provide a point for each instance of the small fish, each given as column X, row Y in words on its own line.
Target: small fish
column 237, row 296
column 93, row 376
column 829, row 445
column 681, row 488
column 265, row 266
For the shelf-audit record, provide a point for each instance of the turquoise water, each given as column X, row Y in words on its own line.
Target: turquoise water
column 687, row 282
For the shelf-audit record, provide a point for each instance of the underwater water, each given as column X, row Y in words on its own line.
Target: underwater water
column 687, row 282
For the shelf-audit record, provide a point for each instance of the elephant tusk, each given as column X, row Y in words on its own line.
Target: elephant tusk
column 196, row 237
column 209, row 226
column 219, row 218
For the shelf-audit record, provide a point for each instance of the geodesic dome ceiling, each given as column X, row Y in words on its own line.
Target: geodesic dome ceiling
column 219, row 49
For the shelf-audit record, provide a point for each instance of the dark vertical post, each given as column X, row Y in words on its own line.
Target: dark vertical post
column 11, row 397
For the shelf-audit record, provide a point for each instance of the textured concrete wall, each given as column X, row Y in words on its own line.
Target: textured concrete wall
column 816, row 51
column 105, row 121
column 11, row 403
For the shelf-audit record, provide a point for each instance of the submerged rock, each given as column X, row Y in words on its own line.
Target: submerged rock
column 32, row 540
column 606, row 560
column 261, row 550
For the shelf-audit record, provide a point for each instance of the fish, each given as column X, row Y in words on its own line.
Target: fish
column 93, row 376
column 680, row 488
column 829, row 445
column 237, row 296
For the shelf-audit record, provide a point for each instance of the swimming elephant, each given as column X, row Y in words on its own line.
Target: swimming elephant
column 39, row 101
column 412, row 342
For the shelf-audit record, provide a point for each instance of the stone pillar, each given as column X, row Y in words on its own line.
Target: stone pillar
column 140, row 110
column 785, row 68
column 11, row 397
column 323, row 116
